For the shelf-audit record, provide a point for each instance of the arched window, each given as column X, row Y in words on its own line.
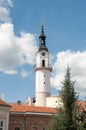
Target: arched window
column 17, row 128
column 43, row 63
column 44, row 128
column 34, row 128
column 1, row 125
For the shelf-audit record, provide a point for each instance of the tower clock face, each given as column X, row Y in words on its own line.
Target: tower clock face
column 43, row 53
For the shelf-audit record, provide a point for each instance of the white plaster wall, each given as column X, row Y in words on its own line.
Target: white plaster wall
column 43, row 80
column 4, row 116
column 39, row 59
column 53, row 101
column 41, row 98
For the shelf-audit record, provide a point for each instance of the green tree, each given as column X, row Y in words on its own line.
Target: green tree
column 68, row 97
column 69, row 117
column 19, row 102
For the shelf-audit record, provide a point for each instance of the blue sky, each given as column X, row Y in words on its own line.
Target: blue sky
column 65, row 28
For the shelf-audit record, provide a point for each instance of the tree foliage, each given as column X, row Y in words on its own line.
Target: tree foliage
column 19, row 102
column 69, row 117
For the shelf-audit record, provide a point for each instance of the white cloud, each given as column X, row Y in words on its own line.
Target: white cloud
column 24, row 73
column 27, row 45
column 5, row 10
column 4, row 15
column 6, row 3
column 77, row 63
column 15, row 51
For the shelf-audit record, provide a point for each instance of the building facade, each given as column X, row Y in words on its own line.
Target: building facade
column 24, row 117
column 4, row 115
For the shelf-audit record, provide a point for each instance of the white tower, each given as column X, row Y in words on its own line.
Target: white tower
column 42, row 70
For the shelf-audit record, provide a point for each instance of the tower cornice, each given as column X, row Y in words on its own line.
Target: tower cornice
column 43, row 68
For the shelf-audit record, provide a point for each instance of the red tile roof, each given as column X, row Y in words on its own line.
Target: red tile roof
column 2, row 103
column 82, row 105
column 34, row 109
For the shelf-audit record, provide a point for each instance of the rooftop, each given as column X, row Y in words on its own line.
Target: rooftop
column 82, row 105
column 34, row 109
column 2, row 103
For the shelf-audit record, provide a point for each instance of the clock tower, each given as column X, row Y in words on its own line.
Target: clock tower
column 42, row 71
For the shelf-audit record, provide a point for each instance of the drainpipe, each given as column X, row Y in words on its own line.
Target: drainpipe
column 24, row 121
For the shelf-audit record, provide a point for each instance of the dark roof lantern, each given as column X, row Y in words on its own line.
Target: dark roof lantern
column 42, row 40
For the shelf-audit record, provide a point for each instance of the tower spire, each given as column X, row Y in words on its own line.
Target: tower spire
column 42, row 40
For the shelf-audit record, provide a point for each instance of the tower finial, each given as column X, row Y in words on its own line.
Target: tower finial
column 42, row 27
column 42, row 23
